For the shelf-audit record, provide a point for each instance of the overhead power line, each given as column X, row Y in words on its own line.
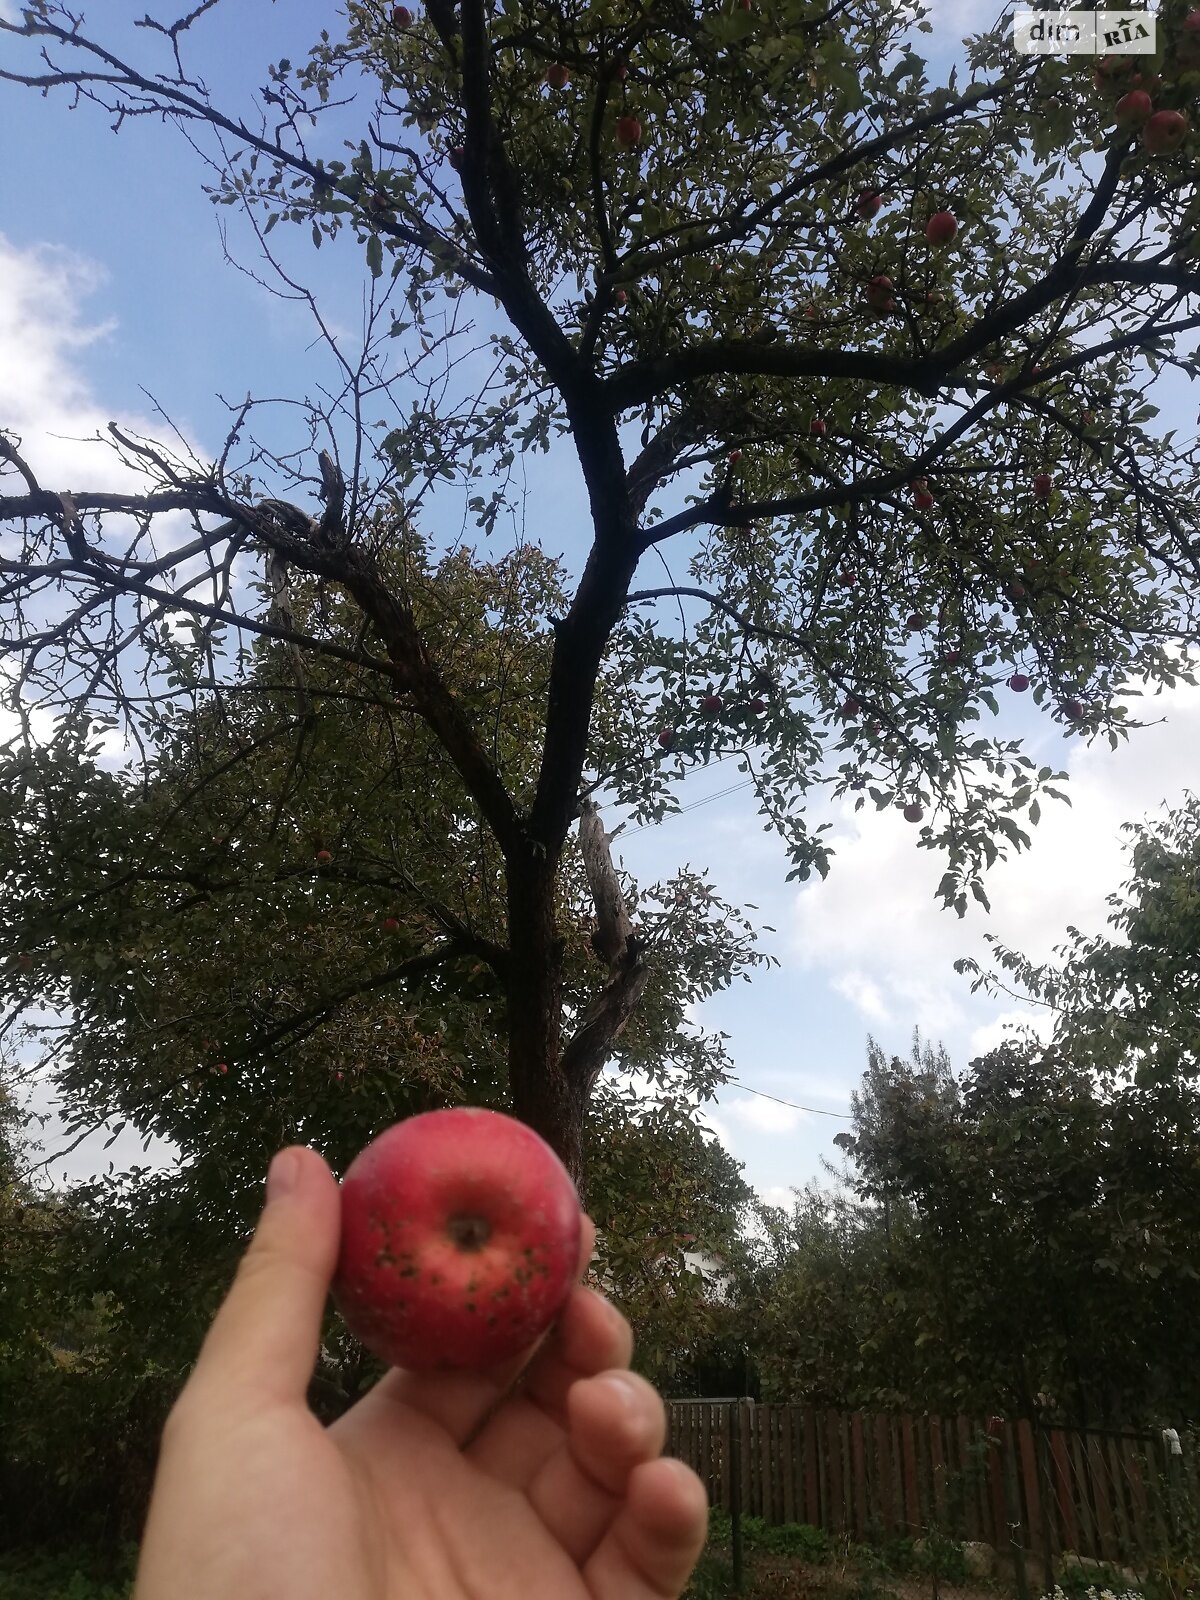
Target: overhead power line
column 842, row 1116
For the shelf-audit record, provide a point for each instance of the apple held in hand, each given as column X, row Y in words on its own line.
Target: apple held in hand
column 460, row 1240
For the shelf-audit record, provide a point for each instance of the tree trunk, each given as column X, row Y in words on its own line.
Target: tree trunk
column 540, row 1093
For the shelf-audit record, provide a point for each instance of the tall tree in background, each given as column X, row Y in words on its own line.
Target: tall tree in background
column 889, row 344
column 1018, row 1238
column 1127, row 1006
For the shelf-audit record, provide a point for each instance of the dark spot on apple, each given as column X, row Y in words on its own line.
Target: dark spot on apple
column 502, row 1294
column 470, row 1306
column 492, row 1320
column 468, row 1231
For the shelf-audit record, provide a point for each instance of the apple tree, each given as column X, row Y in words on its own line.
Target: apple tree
column 856, row 362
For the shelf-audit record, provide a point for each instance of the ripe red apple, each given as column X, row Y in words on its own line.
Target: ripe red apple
column 629, row 132
column 922, row 497
column 952, row 657
column 1074, row 710
column 1018, row 683
column 460, row 1240
column 1133, row 108
column 557, row 75
column 710, row 704
column 847, row 579
column 1189, row 40
column 621, row 297
column 401, row 17
column 850, row 707
column 868, row 203
column 222, row 1067
column 734, row 457
column 758, row 707
column 455, row 156
column 913, row 812
column 667, row 738
column 817, row 427
column 1043, row 485
column 339, row 1076
column 878, row 293
column 1165, row 131
column 914, row 622
column 1015, row 590
column 391, row 925
column 941, row 227
column 324, row 857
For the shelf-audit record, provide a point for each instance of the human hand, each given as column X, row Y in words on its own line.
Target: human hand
column 562, row 1495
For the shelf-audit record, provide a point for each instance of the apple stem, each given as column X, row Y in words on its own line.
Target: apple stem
column 514, row 1384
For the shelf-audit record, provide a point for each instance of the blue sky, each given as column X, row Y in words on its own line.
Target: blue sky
column 112, row 283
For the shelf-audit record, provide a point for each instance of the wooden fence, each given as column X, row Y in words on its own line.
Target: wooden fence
column 1118, row 1497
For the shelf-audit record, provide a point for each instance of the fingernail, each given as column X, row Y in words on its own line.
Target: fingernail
column 283, row 1174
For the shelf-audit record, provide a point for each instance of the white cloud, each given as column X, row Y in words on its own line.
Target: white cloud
column 875, row 932
column 764, row 1116
column 1007, row 1026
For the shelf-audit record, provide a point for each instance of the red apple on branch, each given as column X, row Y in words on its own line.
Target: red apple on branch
column 913, row 812
column 1164, row 132
column 941, row 227
column 817, row 427
column 758, row 707
column 455, row 155
column 1189, row 40
column 557, row 75
column 667, row 738
column 1018, row 683
column 850, row 707
column 1073, row 710
column 324, row 857
column 401, row 17
column 868, row 204
column 734, row 457
column 710, row 705
column 629, row 132
column 460, row 1241
column 1132, row 109
column 878, row 293
column 391, row 925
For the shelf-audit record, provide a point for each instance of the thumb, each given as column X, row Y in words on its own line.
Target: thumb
column 263, row 1343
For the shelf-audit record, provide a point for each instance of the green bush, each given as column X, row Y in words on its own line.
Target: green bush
column 942, row 1556
column 67, row 1575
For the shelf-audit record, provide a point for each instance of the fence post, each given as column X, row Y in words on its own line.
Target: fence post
column 735, row 1490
